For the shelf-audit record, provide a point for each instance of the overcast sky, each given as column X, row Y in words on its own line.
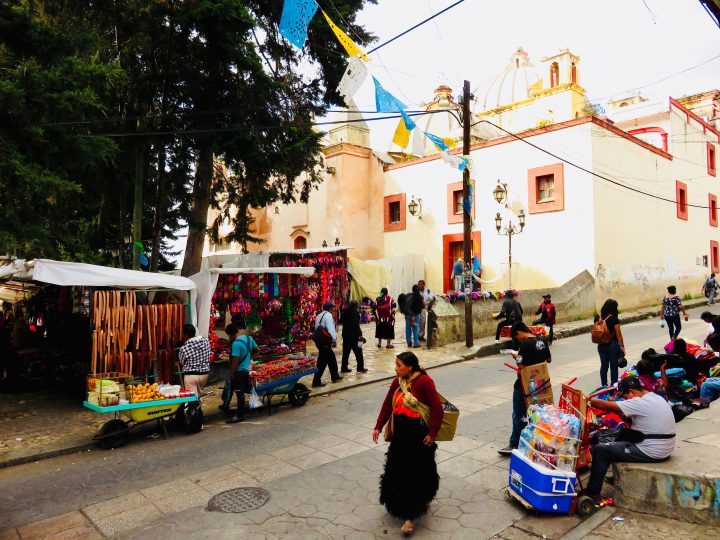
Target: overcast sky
column 622, row 44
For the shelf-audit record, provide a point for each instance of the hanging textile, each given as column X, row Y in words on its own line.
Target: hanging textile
column 385, row 101
column 402, row 135
column 418, row 143
column 437, row 141
column 350, row 46
column 355, row 74
column 467, row 204
column 296, row 17
column 453, row 161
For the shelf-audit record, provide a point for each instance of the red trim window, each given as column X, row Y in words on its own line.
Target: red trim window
column 300, row 242
column 681, row 198
column 711, row 159
column 546, row 189
column 714, row 255
column 713, row 210
column 455, row 202
column 394, row 214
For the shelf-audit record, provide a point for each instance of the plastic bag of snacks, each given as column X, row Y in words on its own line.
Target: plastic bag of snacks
column 551, row 437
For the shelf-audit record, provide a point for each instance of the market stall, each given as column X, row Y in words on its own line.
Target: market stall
column 91, row 319
column 278, row 306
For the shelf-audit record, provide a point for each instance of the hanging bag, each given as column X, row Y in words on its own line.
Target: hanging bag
column 600, row 332
column 451, row 414
column 321, row 336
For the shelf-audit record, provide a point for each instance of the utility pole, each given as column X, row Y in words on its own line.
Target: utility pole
column 137, row 209
column 467, row 233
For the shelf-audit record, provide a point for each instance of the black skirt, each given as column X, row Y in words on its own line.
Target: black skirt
column 410, row 480
column 384, row 330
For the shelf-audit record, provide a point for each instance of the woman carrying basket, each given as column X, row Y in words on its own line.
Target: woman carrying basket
column 414, row 410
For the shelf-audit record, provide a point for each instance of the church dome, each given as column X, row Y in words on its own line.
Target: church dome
column 511, row 85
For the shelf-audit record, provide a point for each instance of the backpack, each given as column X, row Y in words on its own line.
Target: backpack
column 401, row 302
column 600, row 332
column 710, row 284
column 321, row 336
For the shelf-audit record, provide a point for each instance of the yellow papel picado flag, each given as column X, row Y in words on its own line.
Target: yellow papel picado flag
column 350, row 46
column 402, row 135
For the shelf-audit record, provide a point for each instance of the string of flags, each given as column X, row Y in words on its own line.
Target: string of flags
column 294, row 22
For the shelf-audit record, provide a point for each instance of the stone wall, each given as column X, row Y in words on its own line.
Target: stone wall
column 573, row 301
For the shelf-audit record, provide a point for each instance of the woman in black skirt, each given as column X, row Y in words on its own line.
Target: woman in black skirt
column 385, row 308
column 410, row 480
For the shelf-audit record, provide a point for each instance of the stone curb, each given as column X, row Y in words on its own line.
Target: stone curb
column 482, row 351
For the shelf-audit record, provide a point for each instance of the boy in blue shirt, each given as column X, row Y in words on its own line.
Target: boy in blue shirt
column 240, row 361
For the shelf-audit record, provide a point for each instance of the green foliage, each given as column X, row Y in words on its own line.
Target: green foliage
column 49, row 171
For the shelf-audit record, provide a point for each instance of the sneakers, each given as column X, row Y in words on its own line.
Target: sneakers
column 235, row 420
column 507, row 451
column 497, row 341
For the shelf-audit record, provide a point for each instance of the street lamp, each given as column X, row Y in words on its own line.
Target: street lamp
column 510, row 230
column 500, row 192
column 415, row 207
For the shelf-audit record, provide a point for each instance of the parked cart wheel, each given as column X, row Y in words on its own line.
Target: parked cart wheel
column 113, row 434
column 299, row 395
column 586, row 506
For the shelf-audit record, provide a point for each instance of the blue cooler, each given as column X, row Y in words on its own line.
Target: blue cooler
column 547, row 490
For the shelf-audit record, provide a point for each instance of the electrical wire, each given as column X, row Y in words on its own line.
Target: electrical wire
column 401, row 34
column 580, row 167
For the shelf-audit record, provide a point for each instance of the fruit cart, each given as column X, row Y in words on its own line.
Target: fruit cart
column 114, row 433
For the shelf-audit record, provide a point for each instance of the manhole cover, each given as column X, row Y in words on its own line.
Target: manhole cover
column 239, row 500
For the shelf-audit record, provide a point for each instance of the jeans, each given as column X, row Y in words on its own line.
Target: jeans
column 351, row 344
column 674, row 325
column 710, row 388
column 412, row 330
column 458, row 283
column 240, row 385
column 603, row 455
column 326, row 359
column 518, row 416
column 609, row 355
column 423, row 323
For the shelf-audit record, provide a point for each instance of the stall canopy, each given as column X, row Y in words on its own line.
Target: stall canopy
column 72, row 274
column 206, row 282
column 368, row 278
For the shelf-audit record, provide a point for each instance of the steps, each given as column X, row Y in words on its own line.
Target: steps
column 687, row 486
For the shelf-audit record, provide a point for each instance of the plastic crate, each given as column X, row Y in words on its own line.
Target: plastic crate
column 547, row 490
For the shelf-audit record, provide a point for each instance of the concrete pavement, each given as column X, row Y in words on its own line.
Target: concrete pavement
column 318, row 463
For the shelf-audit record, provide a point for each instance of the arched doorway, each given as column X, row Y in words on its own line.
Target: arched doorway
column 300, row 242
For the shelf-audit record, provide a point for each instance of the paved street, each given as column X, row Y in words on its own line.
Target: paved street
column 318, row 463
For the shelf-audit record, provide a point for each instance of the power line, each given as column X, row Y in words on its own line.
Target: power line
column 258, row 128
column 580, row 167
column 401, row 34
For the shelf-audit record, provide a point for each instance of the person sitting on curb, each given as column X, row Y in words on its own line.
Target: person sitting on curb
column 653, row 432
column 547, row 315
column 511, row 311
column 532, row 350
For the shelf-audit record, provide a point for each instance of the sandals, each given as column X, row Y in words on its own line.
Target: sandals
column 390, row 346
column 408, row 527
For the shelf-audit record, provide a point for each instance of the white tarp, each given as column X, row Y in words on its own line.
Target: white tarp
column 90, row 275
column 206, row 282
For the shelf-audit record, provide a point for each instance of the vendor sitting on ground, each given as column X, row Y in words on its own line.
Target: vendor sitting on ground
column 650, row 414
column 646, row 374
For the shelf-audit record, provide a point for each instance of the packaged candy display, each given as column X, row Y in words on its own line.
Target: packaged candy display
column 551, row 437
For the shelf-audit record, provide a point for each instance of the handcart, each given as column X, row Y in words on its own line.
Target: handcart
column 114, row 433
column 552, row 489
column 296, row 393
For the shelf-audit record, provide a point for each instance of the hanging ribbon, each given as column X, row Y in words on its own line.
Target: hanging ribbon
column 296, row 17
column 350, row 46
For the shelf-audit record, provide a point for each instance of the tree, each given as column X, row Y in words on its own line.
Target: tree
column 51, row 171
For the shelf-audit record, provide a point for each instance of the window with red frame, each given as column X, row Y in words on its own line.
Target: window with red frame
column 714, row 255
column 681, row 200
column 712, row 207
column 711, row 162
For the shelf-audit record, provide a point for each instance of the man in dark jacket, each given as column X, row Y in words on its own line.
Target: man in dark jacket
column 352, row 335
column 413, row 308
column 510, row 312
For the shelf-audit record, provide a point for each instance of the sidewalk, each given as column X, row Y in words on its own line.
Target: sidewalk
column 29, row 423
